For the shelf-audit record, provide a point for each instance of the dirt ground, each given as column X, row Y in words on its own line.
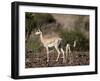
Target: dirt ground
column 34, row 60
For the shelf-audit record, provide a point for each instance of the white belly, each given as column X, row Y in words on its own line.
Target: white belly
column 50, row 45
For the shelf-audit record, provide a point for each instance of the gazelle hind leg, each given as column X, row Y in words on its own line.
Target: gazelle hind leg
column 58, row 53
column 63, row 55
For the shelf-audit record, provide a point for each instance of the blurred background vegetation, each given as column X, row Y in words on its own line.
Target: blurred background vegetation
column 69, row 28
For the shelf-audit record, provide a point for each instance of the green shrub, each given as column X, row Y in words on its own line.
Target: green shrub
column 70, row 37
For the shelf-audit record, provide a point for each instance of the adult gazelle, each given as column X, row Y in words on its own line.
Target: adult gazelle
column 48, row 42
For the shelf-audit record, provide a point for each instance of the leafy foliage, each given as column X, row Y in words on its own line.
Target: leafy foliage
column 35, row 20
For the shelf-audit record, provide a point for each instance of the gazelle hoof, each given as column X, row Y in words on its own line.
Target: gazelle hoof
column 56, row 60
column 47, row 60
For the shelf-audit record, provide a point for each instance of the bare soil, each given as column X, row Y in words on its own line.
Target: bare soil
column 34, row 60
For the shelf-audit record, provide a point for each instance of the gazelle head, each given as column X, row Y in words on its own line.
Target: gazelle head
column 38, row 32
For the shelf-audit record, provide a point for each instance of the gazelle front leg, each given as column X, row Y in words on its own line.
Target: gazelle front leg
column 68, row 50
column 58, row 53
column 47, row 54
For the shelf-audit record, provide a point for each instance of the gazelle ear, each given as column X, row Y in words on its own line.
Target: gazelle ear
column 39, row 30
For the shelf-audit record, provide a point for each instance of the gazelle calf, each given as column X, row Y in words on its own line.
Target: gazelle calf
column 53, row 41
column 69, row 47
